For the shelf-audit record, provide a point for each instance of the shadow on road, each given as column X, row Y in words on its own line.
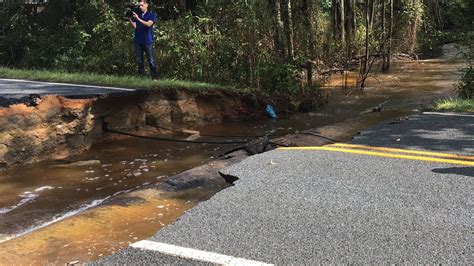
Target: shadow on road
column 466, row 171
column 452, row 134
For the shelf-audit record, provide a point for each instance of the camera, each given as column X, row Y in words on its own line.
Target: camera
column 130, row 8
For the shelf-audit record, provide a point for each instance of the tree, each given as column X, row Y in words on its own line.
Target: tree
column 279, row 27
column 288, row 25
column 309, row 12
column 415, row 17
column 388, row 51
column 364, row 69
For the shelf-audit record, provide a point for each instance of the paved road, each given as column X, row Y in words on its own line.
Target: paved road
column 16, row 89
column 338, row 204
column 430, row 131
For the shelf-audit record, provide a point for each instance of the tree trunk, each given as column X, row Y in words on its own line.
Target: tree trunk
column 367, row 35
column 309, row 9
column 342, row 23
column 350, row 23
column 372, row 5
column 338, row 13
column 335, row 19
column 279, row 29
column 312, row 29
column 414, row 27
column 386, row 68
column 384, row 36
column 439, row 19
column 365, row 65
column 288, row 23
column 350, row 33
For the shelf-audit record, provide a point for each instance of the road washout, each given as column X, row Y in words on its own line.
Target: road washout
column 413, row 86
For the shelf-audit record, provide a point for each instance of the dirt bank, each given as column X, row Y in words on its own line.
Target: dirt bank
column 53, row 127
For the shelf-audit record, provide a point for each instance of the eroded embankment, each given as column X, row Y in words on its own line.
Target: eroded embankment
column 54, row 127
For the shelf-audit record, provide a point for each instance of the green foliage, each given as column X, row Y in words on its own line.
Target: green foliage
column 72, row 37
column 466, row 85
column 455, row 105
column 192, row 47
column 432, row 40
column 225, row 42
column 277, row 77
column 108, row 80
column 458, row 14
column 450, row 24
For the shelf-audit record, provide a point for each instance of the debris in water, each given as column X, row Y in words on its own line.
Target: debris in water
column 43, row 188
column 78, row 163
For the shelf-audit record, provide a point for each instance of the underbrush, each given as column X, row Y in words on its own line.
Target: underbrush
column 455, row 105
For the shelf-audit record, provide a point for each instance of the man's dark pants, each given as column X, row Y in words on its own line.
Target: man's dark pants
column 148, row 49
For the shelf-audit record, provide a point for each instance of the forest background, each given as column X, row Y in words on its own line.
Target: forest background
column 269, row 45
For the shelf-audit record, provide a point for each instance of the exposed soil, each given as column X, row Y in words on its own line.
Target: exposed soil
column 54, row 127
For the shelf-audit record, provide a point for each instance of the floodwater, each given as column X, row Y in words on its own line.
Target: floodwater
column 48, row 210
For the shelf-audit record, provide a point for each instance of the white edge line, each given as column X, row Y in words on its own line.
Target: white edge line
column 68, row 84
column 447, row 114
column 193, row 254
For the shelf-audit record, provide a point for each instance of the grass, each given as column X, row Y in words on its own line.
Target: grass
column 455, row 105
column 109, row 80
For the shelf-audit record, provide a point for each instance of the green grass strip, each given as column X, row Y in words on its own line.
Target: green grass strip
column 455, row 105
column 110, row 80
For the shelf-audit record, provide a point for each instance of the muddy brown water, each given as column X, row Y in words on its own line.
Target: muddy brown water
column 46, row 209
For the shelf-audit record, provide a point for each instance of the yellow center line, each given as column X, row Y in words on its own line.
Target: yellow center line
column 380, row 154
column 435, row 154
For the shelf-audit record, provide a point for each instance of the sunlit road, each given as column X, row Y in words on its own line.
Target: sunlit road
column 399, row 193
column 15, row 89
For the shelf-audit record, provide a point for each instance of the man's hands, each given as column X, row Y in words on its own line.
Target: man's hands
column 148, row 23
column 134, row 24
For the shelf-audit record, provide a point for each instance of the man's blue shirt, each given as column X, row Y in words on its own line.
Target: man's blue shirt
column 144, row 34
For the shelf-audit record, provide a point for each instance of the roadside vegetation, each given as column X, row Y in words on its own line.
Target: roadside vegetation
column 274, row 46
column 108, row 80
column 465, row 100
column 455, row 105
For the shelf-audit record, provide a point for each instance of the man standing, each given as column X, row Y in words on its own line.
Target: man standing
column 143, row 25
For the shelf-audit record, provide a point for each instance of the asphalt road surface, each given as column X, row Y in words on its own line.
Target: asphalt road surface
column 16, row 89
column 343, row 203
